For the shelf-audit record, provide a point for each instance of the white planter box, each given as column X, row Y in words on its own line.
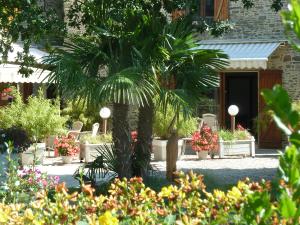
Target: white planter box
column 89, row 152
column 238, row 147
column 27, row 156
column 159, row 148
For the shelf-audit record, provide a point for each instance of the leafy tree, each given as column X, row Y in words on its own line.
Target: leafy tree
column 291, row 20
column 30, row 21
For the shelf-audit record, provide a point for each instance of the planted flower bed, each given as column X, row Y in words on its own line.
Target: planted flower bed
column 239, row 142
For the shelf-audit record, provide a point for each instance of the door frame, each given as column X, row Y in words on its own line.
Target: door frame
column 222, row 110
column 222, row 94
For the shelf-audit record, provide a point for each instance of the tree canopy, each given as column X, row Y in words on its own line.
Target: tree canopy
column 33, row 23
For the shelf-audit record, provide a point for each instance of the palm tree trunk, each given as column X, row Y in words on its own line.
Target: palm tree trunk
column 121, row 140
column 143, row 146
column 172, row 152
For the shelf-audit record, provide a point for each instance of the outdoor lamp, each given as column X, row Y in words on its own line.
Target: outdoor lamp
column 105, row 114
column 233, row 110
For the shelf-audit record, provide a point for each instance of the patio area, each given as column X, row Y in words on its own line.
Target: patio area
column 225, row 171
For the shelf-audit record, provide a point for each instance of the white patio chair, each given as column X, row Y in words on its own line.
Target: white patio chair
column 210, row 120
column 76, row 128
column 200, row 123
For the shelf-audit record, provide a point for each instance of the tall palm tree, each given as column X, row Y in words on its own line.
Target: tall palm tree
column 84, row 70
column 103, row 65
column 183, row 72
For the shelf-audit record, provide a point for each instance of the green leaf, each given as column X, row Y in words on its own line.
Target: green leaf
column 170, row 220
column 287, row 206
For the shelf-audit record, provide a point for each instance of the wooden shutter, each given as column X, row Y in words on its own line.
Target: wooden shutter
column 221, row 10
column 222, row 100
column 202, row 8
column 269, row 135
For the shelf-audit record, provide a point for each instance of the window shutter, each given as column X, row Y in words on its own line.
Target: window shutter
column 202, row 8
column 221, row 10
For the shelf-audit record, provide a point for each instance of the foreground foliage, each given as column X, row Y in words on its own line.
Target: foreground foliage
column 187, row 202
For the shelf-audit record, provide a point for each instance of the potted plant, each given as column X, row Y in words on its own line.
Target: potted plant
column 18, row 139
column 162, row 121
column 5, row 94
column 204, row 141
column 89, row 145
column 66, row 147
column 40, row 118
column 238, row 142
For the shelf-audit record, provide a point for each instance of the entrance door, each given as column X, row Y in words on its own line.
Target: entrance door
column 241, row 90
column 269, row 135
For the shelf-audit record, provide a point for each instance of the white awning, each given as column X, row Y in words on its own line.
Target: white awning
column 247, row 55
column 9, row 74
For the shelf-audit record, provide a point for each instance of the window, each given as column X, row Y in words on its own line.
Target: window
column 216, row 9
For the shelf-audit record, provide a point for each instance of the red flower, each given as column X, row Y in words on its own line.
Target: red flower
column 205, row 139
column 240, row 127
column 66, row 146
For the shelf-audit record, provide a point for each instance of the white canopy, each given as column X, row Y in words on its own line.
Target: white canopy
column 9, row 73
column 244, row 55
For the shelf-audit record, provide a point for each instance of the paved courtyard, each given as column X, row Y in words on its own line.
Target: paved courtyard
column 221, row 171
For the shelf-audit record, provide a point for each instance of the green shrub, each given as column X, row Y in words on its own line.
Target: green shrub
column 40, row 117
column 228, row 135
column 10, row 115
column 98, row 139
column 185, row 126
column 77, row 110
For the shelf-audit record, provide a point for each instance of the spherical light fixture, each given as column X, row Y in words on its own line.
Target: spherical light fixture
column 104, row 113
column 233, row 110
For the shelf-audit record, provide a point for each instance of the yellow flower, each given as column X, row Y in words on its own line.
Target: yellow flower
column 219, row 194
column 108, row 219
column 29, row 214
column 241, row 185
column 234, row 193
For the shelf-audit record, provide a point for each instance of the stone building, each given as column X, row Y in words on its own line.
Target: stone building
column 260, row 57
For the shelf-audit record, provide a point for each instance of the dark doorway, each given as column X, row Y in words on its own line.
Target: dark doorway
column 241, row 90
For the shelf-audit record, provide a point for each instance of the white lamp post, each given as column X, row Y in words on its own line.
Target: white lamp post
column 233, row 110
column 105, row 114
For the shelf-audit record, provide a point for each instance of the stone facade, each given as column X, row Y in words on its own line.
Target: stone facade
column 287, row 59
column 261, row 23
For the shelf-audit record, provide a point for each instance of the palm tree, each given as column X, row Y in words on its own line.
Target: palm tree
column 183, row 72
column 84, row 70
column 121, row 59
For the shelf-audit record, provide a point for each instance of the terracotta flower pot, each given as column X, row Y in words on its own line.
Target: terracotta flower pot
column 202, row 155
column 67, row 159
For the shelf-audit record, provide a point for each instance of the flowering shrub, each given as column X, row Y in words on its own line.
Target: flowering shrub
column 21, row 186
column 33, row 180
column 131, row 202
column 66, row 146
column 205, row 140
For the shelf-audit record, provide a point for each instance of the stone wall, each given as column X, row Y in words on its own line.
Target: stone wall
column 259, row 22
column 287, row 59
